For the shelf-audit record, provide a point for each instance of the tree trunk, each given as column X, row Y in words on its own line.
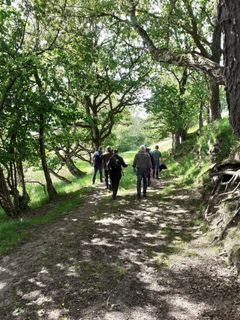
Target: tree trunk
column 176, row 140
column 5, row 197
column 60, row 177
column 50, row 188
column 200, row 117
column 229, row 16
column 183, row 134
column 191, row 60
column 25, row 196
column 214, row 106
column 72, row 168
column 66, row 159
column 96, row 138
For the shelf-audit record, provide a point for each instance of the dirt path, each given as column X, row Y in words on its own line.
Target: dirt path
column 119, row 260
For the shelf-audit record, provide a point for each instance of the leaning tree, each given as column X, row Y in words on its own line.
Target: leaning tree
column 184, row 33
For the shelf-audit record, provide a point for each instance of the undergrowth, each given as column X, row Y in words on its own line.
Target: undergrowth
column 192, row 158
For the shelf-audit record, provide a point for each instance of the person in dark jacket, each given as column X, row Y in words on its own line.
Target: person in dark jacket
column 115, row 165
column 105, row 158
column 142, row 165
column 153, row 166
column 97, row 164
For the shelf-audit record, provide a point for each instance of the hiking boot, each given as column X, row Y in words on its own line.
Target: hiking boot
column 145, row 195
column 138, row 196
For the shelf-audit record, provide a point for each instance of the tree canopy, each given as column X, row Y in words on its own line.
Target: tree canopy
column 69, row 69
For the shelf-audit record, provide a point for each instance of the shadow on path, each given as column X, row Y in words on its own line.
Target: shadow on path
column 111, row 260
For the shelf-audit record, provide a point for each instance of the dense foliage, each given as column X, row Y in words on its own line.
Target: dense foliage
column 70, row 69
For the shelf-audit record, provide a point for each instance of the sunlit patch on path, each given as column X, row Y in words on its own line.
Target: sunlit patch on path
column 124, row 259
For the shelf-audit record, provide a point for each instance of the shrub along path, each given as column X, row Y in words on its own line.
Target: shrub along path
column 125, row 259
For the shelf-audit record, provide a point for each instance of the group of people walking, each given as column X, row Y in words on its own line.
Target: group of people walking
column 112, row 165
column 145, row 165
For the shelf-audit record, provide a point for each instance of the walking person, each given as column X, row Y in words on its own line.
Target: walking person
column 97, row 164
column 157, row 156
column 115, row 165
column 153, row 166
column 105, row 158
column 142, row 166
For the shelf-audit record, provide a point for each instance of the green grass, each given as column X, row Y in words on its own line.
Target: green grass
column 188, row 167
column 12, row 232
column 192, row 160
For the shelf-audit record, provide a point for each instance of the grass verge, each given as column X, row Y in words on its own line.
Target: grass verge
column 14, row 231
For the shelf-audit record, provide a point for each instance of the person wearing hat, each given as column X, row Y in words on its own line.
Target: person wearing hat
column 115, row 165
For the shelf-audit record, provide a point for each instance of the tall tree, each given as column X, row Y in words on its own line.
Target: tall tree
column 105, row 76
column 229, row 17
column 191, row 37
column 171, row 103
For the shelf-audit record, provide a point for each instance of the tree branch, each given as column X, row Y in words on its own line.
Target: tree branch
column 191, row 60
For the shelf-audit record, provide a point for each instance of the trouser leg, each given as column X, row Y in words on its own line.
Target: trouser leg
column 144, row 182
column 157, row 172
column 106, row 178
column 115, row 185
column 139, row 181
column 100, row 172
column 149, row 179
column 94, row 175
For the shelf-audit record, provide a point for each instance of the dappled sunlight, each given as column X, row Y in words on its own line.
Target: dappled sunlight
column 109, row 221
column 72, row 272
column 60, row 266
column 152, row 235
column 181, row 197
column 131, row 255
column 2, row 285
column 129, row 314
column 101, row 242
column 118, row 264
column 37, row 283
column 36, row 297
column 181, row 307
column 4, row 270
column 54, row 314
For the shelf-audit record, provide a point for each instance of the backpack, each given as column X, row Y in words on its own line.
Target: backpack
column 114, row 163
